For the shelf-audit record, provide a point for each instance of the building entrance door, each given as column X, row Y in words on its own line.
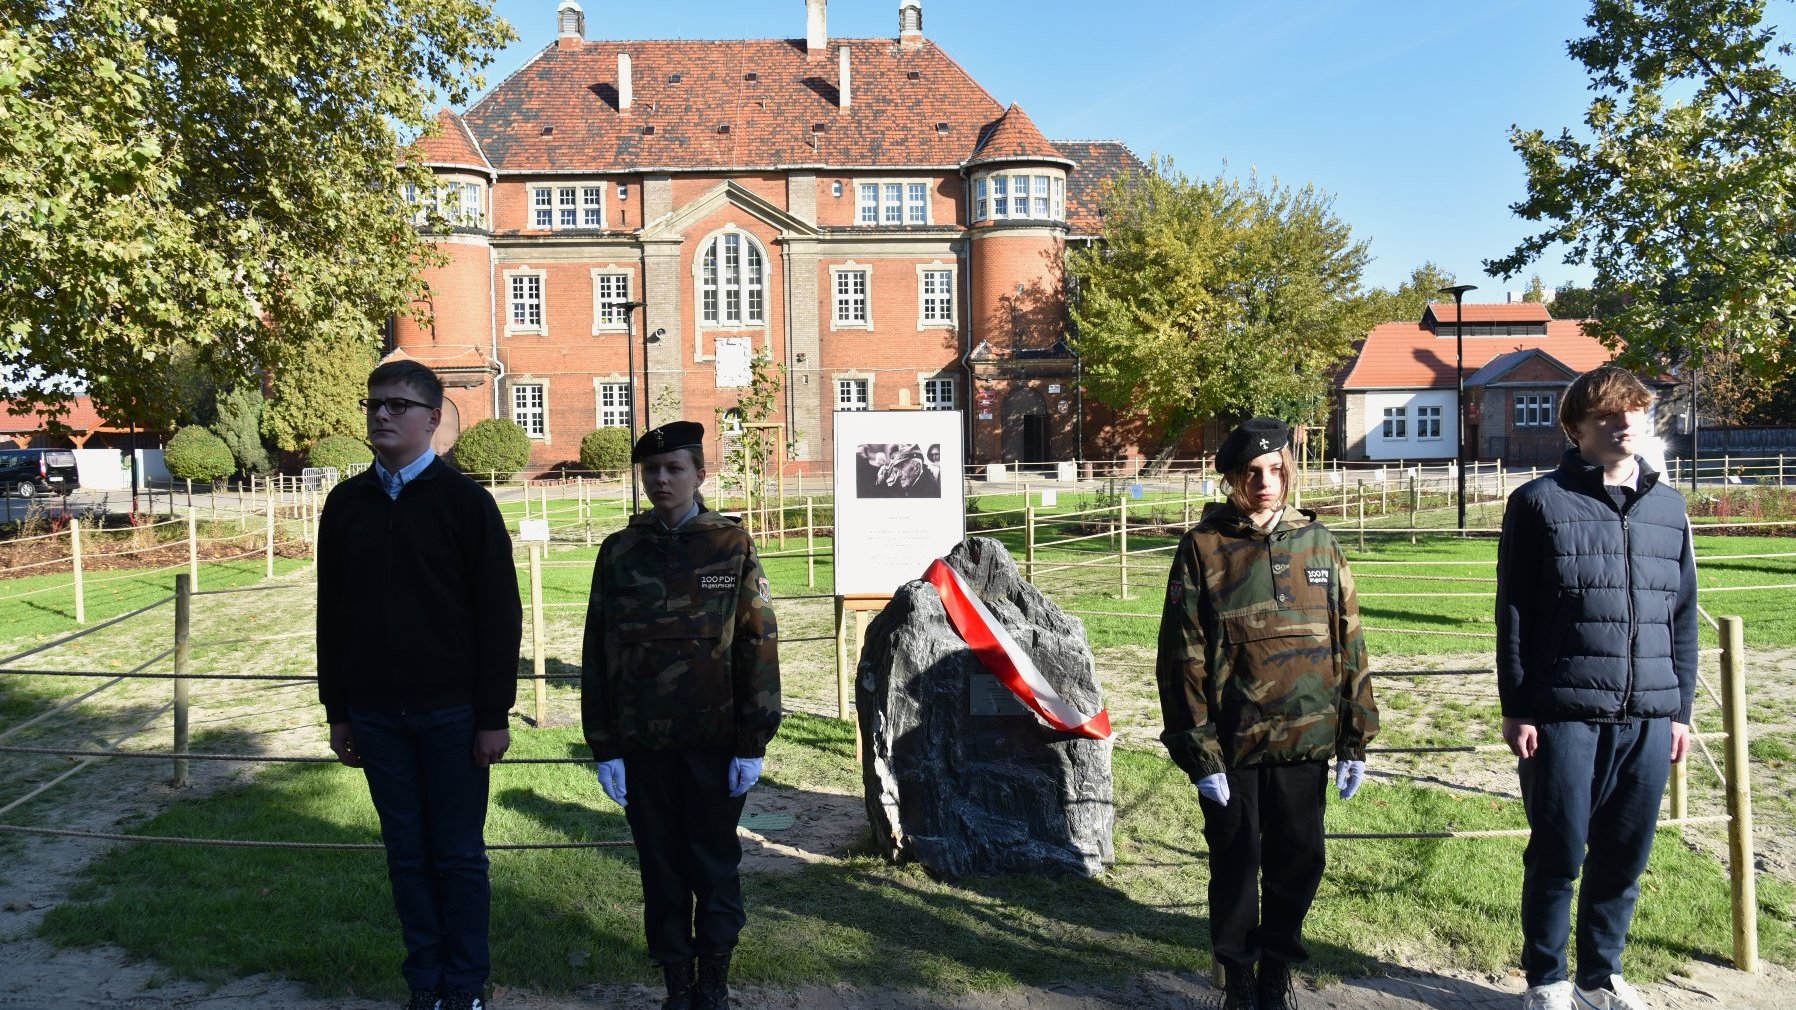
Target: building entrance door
column 1035, row 439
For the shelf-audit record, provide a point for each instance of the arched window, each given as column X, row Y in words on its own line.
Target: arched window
column 732, row 275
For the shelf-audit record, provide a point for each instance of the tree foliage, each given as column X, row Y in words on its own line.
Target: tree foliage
column 492, row 447
column 239, row 424
column 194, row 453
column 1216, row 297
column 1406, row 303
column 341, row 451
column 606, row 450
column 228, row 177
column 315, row 391
column 1682, row 192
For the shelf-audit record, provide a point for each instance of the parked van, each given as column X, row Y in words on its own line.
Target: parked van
column 30, row 472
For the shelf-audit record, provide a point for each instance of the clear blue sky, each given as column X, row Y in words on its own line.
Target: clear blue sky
column 1400, row 108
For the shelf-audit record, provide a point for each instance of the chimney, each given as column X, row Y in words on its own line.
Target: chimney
column 844, row 83
column 626, row 89
column 816, row 30
column 570, row 21
column 910, row 24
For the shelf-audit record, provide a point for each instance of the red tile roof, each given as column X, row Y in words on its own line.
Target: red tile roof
column 453, row 146
column 443, row 358
column 1497, row 312
column 1015, row 137
column 1409, row 356
column 1096, row 164
column 733, row 104
column 80, row 417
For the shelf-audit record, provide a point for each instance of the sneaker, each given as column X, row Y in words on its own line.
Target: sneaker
column 424, row 999
column 1618, row 996
column 1552, row 996
column 462, row 999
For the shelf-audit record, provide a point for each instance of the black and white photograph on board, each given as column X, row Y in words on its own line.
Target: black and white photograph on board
column 898, row 470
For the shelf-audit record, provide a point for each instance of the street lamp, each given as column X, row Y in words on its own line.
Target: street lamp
column 1458, row 292
column 629, row 309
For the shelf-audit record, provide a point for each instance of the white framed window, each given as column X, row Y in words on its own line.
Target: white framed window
column 1396, row 422
column 891, row 202
column 460, row 203
column 567, row 205
column 524, row 302
column 732, row 282
column 854, row 394
column 850, row 285
column 610, row 290
column 1428, row 422
column 1534, row 410
column 527, row 408
column 614, row 404
column 935, row 296
column 938, row 394
column 1016, row 196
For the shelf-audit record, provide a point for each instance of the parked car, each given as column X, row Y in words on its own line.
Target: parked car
column 28, row 472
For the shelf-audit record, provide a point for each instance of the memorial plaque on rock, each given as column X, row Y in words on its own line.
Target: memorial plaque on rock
column 960, row 775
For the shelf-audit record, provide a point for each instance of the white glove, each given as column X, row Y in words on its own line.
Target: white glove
column 1215, row 788
column 611, row 779
column 1349, row 776
column 744, row 773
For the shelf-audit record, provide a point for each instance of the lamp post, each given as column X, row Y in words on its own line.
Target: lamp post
column 1458, row 292
column 630, row 356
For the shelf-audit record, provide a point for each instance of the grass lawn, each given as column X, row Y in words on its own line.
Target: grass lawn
column 563, row 919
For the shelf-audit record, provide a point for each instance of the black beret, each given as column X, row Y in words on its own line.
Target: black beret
column 670, row 436
column 1255, row 437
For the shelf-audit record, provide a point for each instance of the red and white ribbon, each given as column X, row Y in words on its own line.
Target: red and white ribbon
column 999, row 653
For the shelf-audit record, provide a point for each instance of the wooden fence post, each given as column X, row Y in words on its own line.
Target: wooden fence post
column 841, row 660
column 1362, row 515
column 1415, row 502
column 539, row 654
column 1028, row 541
column 810, row 542
column 75, row 552
column 183, row 624
column 1122, row 554
column 268, row 548
column 193, row 546
column 1739, row 796
column 1680, row 791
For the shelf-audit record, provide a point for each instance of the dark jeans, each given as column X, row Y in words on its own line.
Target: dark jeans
column 1592, row 794
column 432, row 805
column 1272, row 827
column 684, row 822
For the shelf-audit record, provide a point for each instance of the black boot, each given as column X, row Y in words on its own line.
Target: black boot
column 713, row 989
column 1276, row 990
column 679, row 985
column 1238, row 990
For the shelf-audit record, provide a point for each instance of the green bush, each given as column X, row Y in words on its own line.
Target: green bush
column 606, row 450
column 340, row 451
column 239, row 423
column 492, row 447
column 194, row 453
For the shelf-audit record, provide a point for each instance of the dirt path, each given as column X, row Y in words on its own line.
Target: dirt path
column 37, row 872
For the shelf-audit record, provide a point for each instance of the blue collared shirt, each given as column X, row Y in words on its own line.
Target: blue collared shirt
column 691, row 514
column 393, row 482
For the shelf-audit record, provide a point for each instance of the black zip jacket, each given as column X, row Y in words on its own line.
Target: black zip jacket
column 1596, row 602
column 417, row 599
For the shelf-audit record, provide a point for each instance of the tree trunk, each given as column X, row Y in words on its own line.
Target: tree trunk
column 1162, row 458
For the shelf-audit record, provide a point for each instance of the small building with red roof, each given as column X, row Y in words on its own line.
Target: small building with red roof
column 1395, row 400
column 635, row 221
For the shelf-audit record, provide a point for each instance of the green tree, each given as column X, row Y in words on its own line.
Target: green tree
column 755, row 404
column 239, row 424
column 606, row 450
column 1215, row 297
column 194, row 453
column 341, row 451
column 1679, row 193
column 1537, row 291
column 1406, row 303
column 493, row 448
column 315, row 392
column 229, row 178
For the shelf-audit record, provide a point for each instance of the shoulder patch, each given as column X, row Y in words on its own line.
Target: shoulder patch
column 766, row 592
column 1175, row 592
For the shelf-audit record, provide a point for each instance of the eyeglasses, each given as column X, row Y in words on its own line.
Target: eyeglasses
column 395, row 405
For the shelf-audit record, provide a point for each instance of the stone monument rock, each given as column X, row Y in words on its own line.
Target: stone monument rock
column 960, row 775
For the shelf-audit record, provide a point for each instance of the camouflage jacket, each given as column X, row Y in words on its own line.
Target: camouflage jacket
column 681, row 646
column 1261, row 658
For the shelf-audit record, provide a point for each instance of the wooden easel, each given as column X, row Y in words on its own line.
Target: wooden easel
column 862, row 606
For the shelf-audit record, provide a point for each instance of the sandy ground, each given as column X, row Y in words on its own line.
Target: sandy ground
column 40, row 871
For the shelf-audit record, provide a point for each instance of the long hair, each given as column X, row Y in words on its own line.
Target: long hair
column 1234, row 482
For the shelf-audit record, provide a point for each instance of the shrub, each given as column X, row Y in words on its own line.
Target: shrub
column 606, row 450
column 239, row 423
column 194, row 453
column 492, row 447
column 339, row 451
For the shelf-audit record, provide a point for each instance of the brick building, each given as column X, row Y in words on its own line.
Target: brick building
column 861, row 211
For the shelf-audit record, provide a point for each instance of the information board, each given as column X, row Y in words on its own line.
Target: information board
column 900, row 495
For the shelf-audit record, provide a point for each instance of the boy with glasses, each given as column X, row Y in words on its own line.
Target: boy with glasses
column 419, row 626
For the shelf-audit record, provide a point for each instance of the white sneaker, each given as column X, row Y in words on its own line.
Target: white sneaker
column 1552, row 996
column 1619, row 996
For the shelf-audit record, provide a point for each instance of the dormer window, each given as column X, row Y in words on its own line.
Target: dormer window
column 558, row 206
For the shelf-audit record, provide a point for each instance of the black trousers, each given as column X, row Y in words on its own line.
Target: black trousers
column 684, row 823
column 1272, row 827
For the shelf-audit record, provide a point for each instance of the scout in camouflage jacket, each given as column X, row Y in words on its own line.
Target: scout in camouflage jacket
column 681, row 647
column 1261, row 657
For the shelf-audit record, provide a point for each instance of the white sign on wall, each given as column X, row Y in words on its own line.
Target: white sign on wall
column 734, row 358
column 900, row 496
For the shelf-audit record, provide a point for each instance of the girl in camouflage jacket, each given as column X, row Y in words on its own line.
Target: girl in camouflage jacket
column 1262, row 676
